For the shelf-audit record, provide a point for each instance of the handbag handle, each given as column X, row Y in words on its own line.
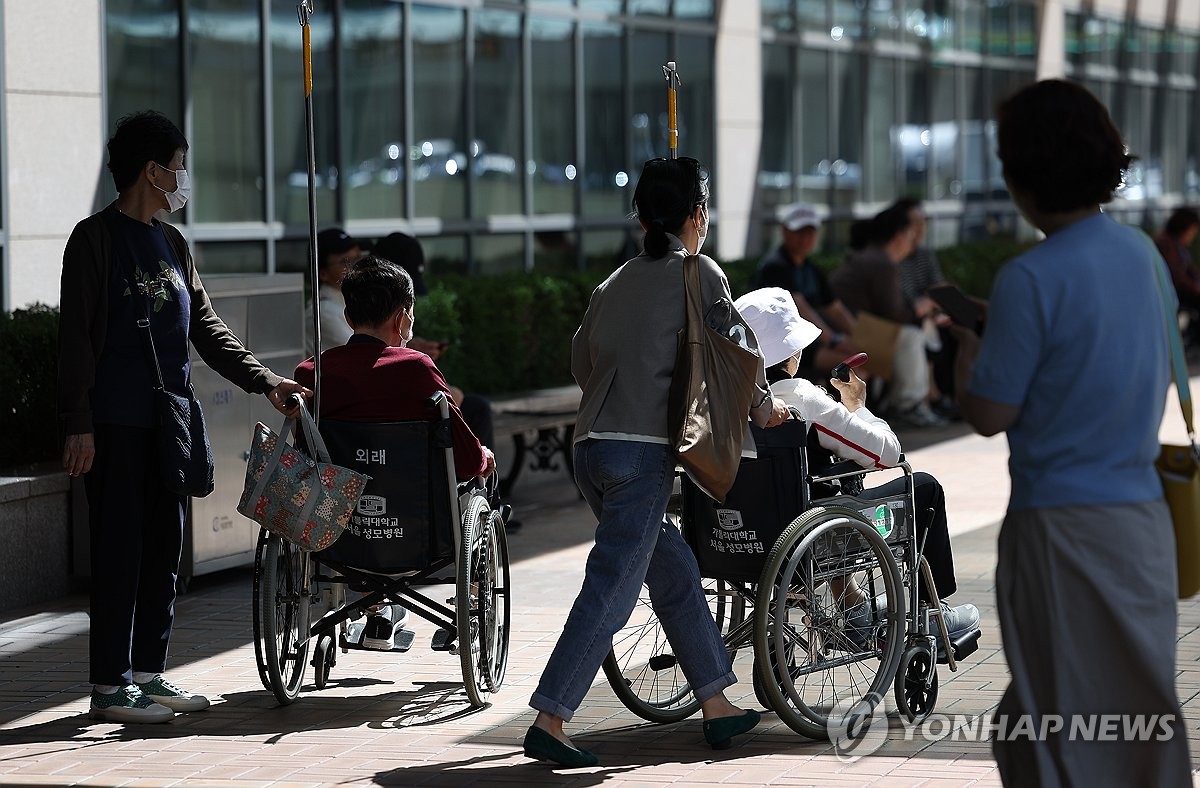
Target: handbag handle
column 1175, row 342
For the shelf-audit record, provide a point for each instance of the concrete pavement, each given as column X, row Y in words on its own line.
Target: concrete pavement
column 401, row 719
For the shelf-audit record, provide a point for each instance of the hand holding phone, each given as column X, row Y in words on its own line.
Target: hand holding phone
column 842, row 371
column 958, row 307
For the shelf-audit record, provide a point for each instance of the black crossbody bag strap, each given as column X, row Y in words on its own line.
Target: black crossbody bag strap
column 143, row 321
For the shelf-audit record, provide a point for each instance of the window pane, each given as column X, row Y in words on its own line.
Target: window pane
column 849, row 19
column 694, row 9
column 497, row 146
column 777, row 15
column 291, row 146
column 605, row 167
column 846, row 168
column 237, row 257
column 142, row 50
column 372, row 115
column 1025, row 30
column 438, row 154
column 913, row 141
column 291, row 256
column 444, row 255
column 999, row 34
column 649, row 53
column 816, row 153
column 601, row 6
column 978, row 137
column 605, row 250
column 778, row 135
column 696, row 111
column 1183, row 52
column 226, row 96
column 498, row 254
column 553, row 76
column 944, row 134
column 1174, row 135
column 970, row 14
column 555, row 251
column 881, row 116
column 649, row 7
column 812, row 15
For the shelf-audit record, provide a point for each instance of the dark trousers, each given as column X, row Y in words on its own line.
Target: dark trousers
column 136, row 535
column 931, row 527
column 477, row 413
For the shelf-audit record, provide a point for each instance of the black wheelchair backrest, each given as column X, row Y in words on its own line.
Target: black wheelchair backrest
column 404, row 519
column 733, row 539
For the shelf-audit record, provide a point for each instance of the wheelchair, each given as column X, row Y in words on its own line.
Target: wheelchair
column 414, row 527
column 782, row 558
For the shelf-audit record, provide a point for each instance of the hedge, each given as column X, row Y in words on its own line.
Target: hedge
column 28, row 425
column 507, row 333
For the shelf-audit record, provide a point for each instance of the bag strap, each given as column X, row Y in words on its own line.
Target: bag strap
column 143, row 320
column 692, row 293
column 281, row 444
column 312, row 436
column 1175, row 342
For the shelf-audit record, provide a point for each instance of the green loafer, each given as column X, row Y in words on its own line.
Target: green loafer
column 720, row 732
column 541, row 746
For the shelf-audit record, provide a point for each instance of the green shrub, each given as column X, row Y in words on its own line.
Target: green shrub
column 28, row 424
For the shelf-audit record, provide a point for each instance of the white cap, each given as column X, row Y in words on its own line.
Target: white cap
column 799, row 216
column 781, row 332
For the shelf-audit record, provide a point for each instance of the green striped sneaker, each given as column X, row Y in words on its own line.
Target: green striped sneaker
column 127, row 704
column 167, row 694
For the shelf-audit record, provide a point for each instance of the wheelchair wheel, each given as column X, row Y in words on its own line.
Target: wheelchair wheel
column 483, row 614
column 281, row 590
column 641, row 666
column 816, row 663
column 914, row 699
column 323, row 661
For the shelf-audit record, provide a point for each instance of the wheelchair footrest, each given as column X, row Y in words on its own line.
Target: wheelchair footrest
column 442, row 641
column 964, row 646
column 402, row 639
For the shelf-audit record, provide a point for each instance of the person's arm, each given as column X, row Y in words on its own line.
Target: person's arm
column 582, row 362
column 987, row 416
column 993, row 375
column 471, row 458
column 848, row 430
column 839, row 317
column 79, row 319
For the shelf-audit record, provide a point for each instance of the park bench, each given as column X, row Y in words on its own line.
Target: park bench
column 541, row 423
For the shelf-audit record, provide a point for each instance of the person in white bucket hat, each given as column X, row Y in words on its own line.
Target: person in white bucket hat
column 849, row 431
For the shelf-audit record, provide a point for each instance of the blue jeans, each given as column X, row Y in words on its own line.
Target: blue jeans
column 628, row 484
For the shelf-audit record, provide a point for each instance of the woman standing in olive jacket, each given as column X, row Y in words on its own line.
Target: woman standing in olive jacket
column 107, row 412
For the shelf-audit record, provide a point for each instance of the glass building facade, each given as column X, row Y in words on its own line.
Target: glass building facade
column 507, row 134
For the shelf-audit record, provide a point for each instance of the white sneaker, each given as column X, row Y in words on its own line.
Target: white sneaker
column 380, row 631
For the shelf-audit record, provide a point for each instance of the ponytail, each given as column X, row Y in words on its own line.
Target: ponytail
column 655, row 242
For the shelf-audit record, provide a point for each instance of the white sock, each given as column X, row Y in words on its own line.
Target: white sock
column 140, row 677
column 105, row 689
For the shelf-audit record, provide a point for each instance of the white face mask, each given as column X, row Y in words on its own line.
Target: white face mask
column 408, row 336
column 183, row 189
column 701, row 236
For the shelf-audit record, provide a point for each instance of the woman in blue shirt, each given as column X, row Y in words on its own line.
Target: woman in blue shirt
column 1073, row 366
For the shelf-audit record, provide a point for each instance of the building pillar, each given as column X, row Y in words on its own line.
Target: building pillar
column 53, row 116
column 1052, row 41
column 738, row 102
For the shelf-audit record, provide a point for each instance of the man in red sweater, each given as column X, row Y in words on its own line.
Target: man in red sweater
column 375, row 377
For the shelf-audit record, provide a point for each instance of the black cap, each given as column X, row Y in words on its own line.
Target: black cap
column 333, row 240
column 405, row 251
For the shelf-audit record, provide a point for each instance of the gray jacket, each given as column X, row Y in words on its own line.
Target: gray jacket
column 623, row 354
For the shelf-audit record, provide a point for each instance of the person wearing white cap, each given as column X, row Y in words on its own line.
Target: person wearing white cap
column 787, row 266
column 849, row 431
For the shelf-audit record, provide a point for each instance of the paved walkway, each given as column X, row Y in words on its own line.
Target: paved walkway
column 402, row 719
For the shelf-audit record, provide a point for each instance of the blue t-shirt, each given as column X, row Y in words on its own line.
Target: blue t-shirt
column 122, row 393
column 1075, row 340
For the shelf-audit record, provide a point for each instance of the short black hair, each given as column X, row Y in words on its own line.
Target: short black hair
column 375, row 290
column 906, row 204
column 888, row 223
column 667, row 193
column 1182, row 219
column 1058, row 142
column 140, row 138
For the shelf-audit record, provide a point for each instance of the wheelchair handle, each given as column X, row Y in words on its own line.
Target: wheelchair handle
column 294, row 401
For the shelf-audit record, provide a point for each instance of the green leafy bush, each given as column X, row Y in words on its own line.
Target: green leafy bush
column 28, row 424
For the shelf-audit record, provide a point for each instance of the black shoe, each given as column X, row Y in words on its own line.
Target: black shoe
column 720, row 732
column 542, row 746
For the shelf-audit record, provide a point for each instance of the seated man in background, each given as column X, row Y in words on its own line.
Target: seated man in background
column 848, row 430
column 869, row 282
column 375, row 377
column 336, row 252
column 788, row 266
column 1175, row 245
column 405, row 251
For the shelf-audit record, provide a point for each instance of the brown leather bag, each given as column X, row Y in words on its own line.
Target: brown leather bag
column 712, row 389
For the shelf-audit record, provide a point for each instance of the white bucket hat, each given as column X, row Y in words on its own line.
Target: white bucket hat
column 781, row 332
